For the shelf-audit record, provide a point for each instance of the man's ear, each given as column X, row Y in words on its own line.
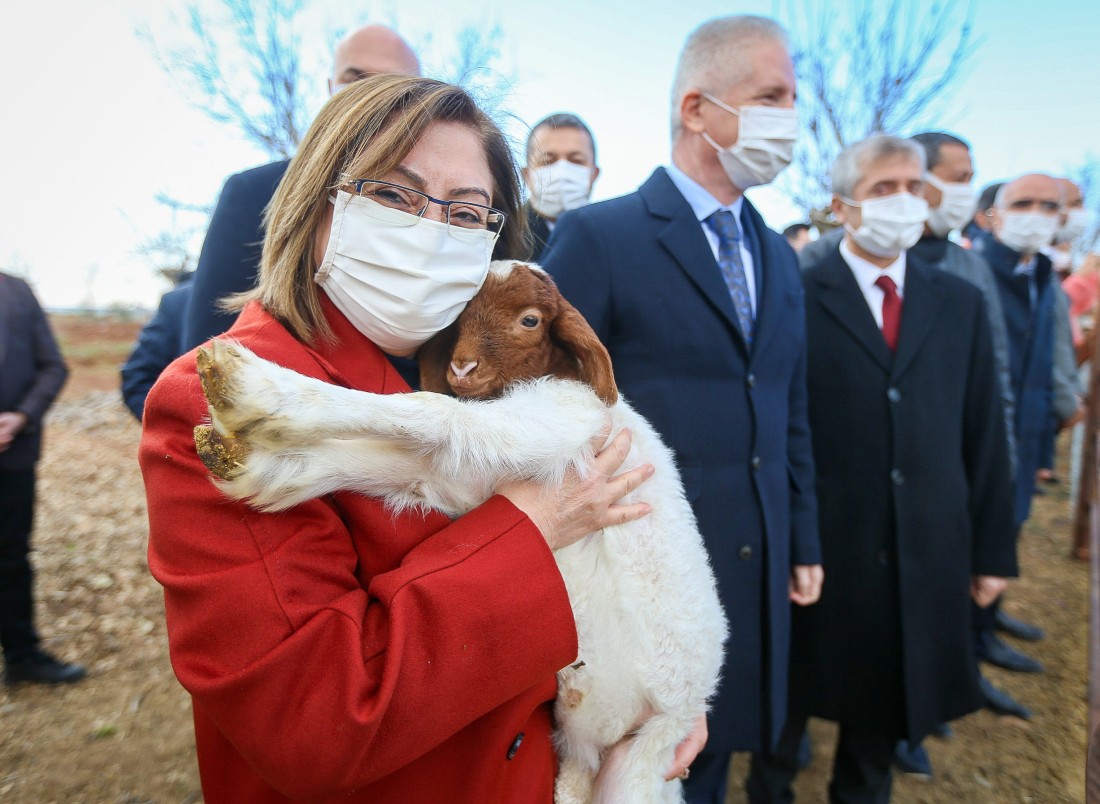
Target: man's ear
column 691, row 115
column 840, row 210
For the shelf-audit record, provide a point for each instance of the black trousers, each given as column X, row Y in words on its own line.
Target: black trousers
column 861, row 769
column 706, row 784
column 18, row 637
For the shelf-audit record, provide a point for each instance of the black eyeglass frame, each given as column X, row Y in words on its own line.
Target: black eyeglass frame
column 358, row 184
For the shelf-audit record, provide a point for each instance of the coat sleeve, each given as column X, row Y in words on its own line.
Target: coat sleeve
column 50, row 371
column 987, row 460
column 323, row 682
column 159, row 343
column 230, row 257
column 1066, row 387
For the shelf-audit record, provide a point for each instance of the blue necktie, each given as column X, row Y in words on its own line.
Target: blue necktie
column 723, row 224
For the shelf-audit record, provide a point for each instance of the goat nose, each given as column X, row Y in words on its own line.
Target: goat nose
column 462, row 371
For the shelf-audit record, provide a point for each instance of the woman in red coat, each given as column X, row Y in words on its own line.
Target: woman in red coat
column 337, row 651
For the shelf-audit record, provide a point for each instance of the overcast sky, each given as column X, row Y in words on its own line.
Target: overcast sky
column 94, row 129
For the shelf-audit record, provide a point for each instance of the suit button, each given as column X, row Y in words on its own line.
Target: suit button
column 755, row 461
column 896, row 477
column 745, row 553
column 883, row 558
column 515, row 745
column 894, row 395
column 751, row 380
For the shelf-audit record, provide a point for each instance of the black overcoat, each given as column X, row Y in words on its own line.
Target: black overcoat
column 914, row 498
column 640, row 269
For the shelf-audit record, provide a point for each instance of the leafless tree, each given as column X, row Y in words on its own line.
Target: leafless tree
column 882, row 67
column 239, row 62
column 1087, row 177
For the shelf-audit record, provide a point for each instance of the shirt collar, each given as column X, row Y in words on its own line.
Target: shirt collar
column 702, row 203
column 867, row 273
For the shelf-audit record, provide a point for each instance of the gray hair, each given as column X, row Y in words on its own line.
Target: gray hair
column 853, row 160
column 715, row 57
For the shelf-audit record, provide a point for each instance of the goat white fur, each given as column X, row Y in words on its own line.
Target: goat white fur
column 649, row 622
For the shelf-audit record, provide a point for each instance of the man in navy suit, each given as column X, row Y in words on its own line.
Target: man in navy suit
column 159, row 343
column 230, row 256
column 701, row 308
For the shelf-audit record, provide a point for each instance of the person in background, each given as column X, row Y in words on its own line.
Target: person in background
column 561, row 169
column 911, row 527
column 798, row 235
column 982, row 215
column 159, row 343
column 230, row 256
column 700, row 306
column 32, row 373
column 417, row 653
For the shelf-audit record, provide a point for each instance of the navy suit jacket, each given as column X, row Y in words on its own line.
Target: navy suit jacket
column 159, row 343
column 32, row 370
column 640, row 269
column 230, row 257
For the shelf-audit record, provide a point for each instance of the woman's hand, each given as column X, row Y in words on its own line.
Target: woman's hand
column 688, row 749
column 583, row 506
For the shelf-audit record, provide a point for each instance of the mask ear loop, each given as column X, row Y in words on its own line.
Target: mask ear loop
column 337, row 223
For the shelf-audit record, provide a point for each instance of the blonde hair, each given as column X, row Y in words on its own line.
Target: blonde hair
column 364, row 130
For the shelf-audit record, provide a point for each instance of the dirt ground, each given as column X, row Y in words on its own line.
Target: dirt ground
column 124, row 735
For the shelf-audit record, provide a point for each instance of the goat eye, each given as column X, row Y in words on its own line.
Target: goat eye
column 530, row 321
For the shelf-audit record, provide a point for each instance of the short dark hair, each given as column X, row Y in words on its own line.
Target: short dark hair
column 933, row 141
column 795, row 229
column 560, row 120
column 988, row 196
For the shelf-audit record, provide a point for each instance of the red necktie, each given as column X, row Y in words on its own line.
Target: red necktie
column 891, row 311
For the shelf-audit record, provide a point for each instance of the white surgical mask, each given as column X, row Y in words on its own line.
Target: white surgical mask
column 400, row 284
column 1077, row 220
column 765, row 143
column 560, row 187
column 956, row 207
column 1060, row 260
column 889, row 225
column 1027, row 232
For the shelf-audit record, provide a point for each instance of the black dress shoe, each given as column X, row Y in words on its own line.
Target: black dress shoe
column 993, row 650
column 912, row 759
column 1017, row 628
column 42, row 668
column 1001, row 702
column 943, row 731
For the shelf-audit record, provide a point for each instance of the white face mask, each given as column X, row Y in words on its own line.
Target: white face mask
column 1077, row 221
column 1027, row 232
column 889, row 225
column 765, row 143
column 400, row 284
column 560, row 187
column 956, row 207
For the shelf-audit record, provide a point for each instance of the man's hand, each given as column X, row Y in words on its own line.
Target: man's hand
column 1076, row 417
column 11, row 422
column 805, row 585
column 984, row 589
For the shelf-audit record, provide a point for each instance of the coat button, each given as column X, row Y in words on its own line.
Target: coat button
column 883, row 558
column 745, row 553
column 751, row 380
column 515, row 745
column 896, row 477
column 755, row 461
column 893, row 394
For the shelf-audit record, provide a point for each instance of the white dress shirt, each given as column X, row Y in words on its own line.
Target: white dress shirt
column 867, row 273
column 703, row 204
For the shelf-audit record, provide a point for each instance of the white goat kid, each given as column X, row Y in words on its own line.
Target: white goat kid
column 648, row 619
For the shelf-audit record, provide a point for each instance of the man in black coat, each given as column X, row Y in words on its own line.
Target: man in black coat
column 914, row 495
column 230, row 257
column 662, row 276
column 31, row 375
column 559, row 174
column 159, row 343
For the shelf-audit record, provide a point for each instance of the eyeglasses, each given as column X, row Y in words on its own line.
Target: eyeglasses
column 459, row 214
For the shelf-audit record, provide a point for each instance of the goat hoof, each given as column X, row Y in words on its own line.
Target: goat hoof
column 215, row 383
column 223, row 456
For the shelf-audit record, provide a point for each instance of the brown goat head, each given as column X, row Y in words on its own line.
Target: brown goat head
column 518, row 327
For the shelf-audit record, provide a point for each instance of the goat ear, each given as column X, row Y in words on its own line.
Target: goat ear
column 572, row 332
column 434, row 357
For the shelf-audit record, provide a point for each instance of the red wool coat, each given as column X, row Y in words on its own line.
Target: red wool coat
column 335, row 652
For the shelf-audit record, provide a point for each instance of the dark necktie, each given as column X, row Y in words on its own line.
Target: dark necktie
column 891, row 311
column 723, row 224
